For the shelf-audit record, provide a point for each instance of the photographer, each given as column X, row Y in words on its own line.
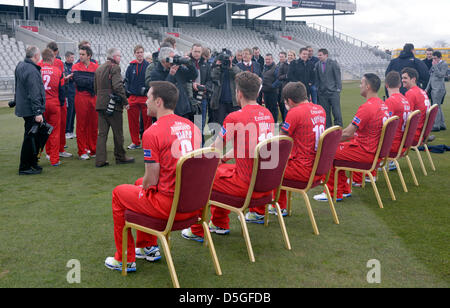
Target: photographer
column 111, row 99
column 223, row 99
column 179, row 71
column 135, row 89
column 30, row 105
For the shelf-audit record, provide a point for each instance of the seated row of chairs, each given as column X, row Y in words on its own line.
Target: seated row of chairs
column 192, row 195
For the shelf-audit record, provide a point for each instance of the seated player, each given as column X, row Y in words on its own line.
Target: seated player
column 417, row 98
column 244, row 128
column 152, row 195
column 53, row 80
column 364, row 134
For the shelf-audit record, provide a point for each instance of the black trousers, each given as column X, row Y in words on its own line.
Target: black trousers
column 224, row 110
column 271, row 102
column 28, row 154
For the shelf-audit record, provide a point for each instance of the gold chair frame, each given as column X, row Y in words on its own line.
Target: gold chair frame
column 369, row 172
column 164, row 236
column 311, row 181
column 240, row 211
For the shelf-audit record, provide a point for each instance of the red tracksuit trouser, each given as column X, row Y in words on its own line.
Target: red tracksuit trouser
column 347, row 151
column 62, row 127
column 87, row 123
column 52, row 116
column 226, row 181
column 137, row 106
column 148, row 202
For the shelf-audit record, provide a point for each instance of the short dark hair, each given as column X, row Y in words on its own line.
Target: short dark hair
column 249, row 84
column 374, row 81
column 430, row 49
column 52, row 46
column 411, row 72
column 170, row 40
column 167, row 91
column 68, row 54
column 408, row 47
column 83, row 43
column 438, row 54
column 296, row 91
column 283, row 53
column 393, row 80
column 303, row 49
column 87, row 49
column 269, row 55
column 47, row 55
column 323, row 50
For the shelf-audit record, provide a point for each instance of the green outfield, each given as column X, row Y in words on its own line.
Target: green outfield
column 65, row 214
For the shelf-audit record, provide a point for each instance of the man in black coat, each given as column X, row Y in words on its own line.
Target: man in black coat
column 30, row 105
column 180, row 75
column 407, row 59
column 302, row 70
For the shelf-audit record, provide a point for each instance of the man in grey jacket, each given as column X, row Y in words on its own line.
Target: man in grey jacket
column 328, row 79
column 437, row 86
column 30, row 105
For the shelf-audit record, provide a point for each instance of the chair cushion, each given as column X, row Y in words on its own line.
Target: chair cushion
column 352, row 164
column 239, row 201
column 156, row 223
column 298, row 184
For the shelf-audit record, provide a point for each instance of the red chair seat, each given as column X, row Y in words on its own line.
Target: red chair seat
column 156, row 223
column 239, row 201
column 353, row 164
column 299, row 185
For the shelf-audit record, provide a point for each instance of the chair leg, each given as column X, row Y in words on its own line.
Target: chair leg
column 375, row 189
column 266, row 216
column 363, row 181
column 422, row 165
column 169, row 261
column 330, row 202
column 124, row 250
column 335, row 185
column 251, row 256
column 412, row 170
column 310, row 213
column 289, row 198
column 402, row 180
column 212, row 250
column 388, row 183
column 429, row 157
column 287, row 243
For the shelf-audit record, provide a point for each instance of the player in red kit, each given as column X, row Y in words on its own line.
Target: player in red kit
column 417, row 98
column 245, row 128
column 85, row 99
column 364, row 134
column 398, row 105
column 53, row 80
column 164, row 143
column 304, row 123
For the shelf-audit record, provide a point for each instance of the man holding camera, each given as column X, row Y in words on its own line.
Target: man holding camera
column 30, row 105
column 111, row 99
column 223, row 99
column 179, row 71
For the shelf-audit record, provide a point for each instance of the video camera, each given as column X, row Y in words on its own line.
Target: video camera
column 224, row 58
column 178, row 60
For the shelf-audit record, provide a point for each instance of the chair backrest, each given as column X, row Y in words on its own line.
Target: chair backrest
column 410, row 131
column 194, row 179
column 326, row 150
column 271, row 157
column 428, row 124
column 386, row 138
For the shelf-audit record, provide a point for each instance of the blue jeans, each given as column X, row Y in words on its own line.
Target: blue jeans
column 70, row 113
column 314, row 94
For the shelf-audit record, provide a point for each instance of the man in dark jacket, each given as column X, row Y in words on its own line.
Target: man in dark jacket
column 70, row 94
column 134, row 86
column 283, row 67
column 107, row 81
column 248, row 64
column 179, row 75
column 270, row 85
column 407, row 59
column 30, row 105
column 302, row 70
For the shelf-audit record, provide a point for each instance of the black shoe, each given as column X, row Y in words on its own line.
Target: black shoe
column 36, row 167
column 30, row 171
column 126, row 160
column 431, row 138
column 443, row 128
column 435, row 129
column 102, row 164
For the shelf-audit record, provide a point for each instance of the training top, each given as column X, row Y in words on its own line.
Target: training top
column 399, row 106
column 418, row 100
column 53, row 80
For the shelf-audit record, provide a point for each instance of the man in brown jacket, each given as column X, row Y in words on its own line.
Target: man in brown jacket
column 107, row 82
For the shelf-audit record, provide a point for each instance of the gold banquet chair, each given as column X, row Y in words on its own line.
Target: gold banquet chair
column 382, row 154
column 403, row 151
column 191, row 194
column 326, row 150
column 427, row 127
column 264, row 179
